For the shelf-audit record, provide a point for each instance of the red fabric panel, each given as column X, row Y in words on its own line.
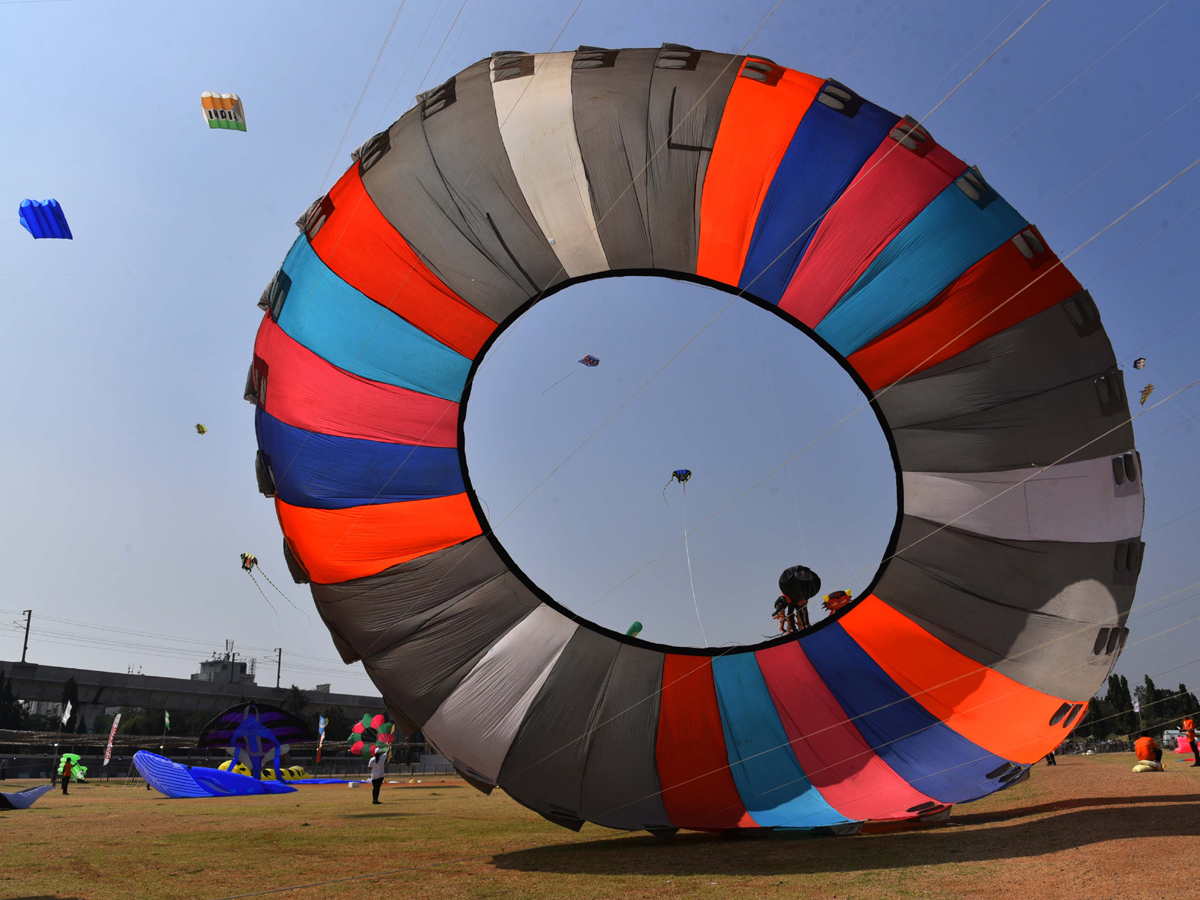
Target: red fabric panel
column 337, row 545
column 837, row 759
column 984, row 706
column 363, row 247
column 999, row 291
column 305, row 391
column 693, row 766
column 756, row 128
column 895, row 184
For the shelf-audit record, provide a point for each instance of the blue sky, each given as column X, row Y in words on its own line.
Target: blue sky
column 115, row 344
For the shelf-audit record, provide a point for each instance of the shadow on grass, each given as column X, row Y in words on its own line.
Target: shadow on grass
column 378, row 815
column 1070, row 824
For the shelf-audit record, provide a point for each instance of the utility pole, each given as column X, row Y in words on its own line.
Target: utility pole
column 28, row 619
column 278, row 665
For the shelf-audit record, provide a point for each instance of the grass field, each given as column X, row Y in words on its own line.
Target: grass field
column 1088, row 829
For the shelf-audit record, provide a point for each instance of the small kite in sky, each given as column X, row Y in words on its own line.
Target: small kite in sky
column 680, row 475
column 223, row 111
column 1146, row 392
column 201, row 429
column 590, row 361
column 1140, row 362
column 44, row 219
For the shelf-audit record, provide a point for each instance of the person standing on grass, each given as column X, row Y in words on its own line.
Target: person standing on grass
column 377, row 765
column 68, row 767
column 1189, row 728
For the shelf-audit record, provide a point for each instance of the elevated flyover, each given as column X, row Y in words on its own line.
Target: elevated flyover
column 97, row 690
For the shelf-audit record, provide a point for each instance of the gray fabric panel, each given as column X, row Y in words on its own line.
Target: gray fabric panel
column 1074, row 501
column 466, row 144
column 544, row 766
column 1028, row 609
column 420, row 671
column 421, row 626
column 610, row 107
column 675, row 177
column 1029, row 396
column 620, row 782
column 447, row 186
column 1046, row 428
column 1041, row 353
column 374, row 613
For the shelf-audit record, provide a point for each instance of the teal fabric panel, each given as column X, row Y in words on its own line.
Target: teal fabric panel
column 770, row 781
column 946, row 239
column 350, row 330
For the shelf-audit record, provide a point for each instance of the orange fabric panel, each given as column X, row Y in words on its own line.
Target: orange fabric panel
column 340, row 544
column 369, row 254
column 756, row 129
column 693, row 766
column 984, row 706
column 1001, row 289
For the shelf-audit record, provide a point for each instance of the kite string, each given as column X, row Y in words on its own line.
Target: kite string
column 260, row 590
column 1055, row 95
column 688, row 551
column 281, row 593
column 560, row 381
column 371, row 75
column 915, row 368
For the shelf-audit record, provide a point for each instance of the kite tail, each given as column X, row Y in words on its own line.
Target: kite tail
column 281, row 593
column 665, row 486
column 264, row 596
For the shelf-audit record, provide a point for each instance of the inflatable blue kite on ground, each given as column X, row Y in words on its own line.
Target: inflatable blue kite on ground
column 177, row 781
column 44, row 220
column 23, row 799
column 252, row 732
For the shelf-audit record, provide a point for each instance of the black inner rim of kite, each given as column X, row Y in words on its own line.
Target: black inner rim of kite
column 464, row 403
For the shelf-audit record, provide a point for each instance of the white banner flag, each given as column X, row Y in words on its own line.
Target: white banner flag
column 112, row 734
column 66, row 713
column 1137, row 707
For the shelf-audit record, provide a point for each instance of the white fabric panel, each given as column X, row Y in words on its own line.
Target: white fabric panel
column 539, row 135
column 476, row 724
column 1070, row 502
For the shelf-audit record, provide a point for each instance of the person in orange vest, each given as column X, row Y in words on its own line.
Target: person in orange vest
column 1189, row 727
column 1148, row 751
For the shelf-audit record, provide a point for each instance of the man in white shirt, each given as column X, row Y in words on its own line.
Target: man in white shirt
column 377, row 765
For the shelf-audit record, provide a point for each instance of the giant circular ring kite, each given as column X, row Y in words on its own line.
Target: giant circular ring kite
column 1001, row 604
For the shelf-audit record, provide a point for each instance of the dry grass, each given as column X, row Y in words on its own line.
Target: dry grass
column 1087, row 828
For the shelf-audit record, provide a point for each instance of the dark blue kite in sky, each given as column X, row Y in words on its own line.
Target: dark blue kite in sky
column 44, row 219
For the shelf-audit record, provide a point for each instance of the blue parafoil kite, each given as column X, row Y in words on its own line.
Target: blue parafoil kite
column 44, row 219
column 987, row 627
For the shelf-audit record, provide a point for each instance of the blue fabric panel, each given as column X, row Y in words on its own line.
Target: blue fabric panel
column 825, row 154
column 322, row 471
column 348, row 329
column 926, row 753
column 769, row 779
column 44, row 220
column 949, row 236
